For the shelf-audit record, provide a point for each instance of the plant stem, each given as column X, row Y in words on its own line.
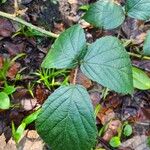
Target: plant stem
column 21, row 21
column 138, row 56
column 75, row 75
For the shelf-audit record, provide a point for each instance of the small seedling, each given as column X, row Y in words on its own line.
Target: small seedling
column 48, row 77
column 18, row 133
column 115, row 142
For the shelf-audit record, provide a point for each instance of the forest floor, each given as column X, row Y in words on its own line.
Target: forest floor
column 25, row 73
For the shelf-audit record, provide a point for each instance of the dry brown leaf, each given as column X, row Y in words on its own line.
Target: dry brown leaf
column 13, row 70
column 112, row 129
column 105, row 115
column 6, row 28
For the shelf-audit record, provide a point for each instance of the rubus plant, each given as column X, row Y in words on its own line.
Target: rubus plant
column 66, row 120
column 109, row 14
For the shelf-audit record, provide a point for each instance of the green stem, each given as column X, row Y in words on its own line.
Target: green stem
column 19, row 20
column 139, row 56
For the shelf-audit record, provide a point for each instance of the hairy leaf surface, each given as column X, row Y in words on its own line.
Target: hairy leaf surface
column 67, row 50
column 105, row 14
column 107, row 63
column 139, row 9
column 66, row 121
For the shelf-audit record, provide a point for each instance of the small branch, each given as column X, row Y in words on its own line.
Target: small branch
column 75, row 75
column 19, row 20
column 139, row 56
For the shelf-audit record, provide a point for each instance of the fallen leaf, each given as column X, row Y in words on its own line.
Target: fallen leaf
column 112, row 129
column 105, row 115
column 1, row 62
column 95, row 97
column 6, row 28
column 13, row 70
column 41, row 94
column 14, row 49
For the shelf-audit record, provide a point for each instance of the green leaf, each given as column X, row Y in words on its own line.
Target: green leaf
column 146, row 47
column 105, row 14
column 67, row 121
column 4, row 101
column 107, row 63
column 115, row 142
column 67, row 50
column 140, row 79
column 9, row 89
column 138, row 9
column 127, row 131
column 19, row 132
column 32, row 117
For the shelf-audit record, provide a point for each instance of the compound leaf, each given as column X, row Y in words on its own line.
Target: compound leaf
column 106, row 14
column 67, row 50
column 138, row 9
column 66, row 121
column 107, row 63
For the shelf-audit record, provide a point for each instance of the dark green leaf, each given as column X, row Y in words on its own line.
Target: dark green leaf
column 106, row 14
column 139, row 9
column 67, row 50
column 107, row 63
column 67, row 121
column 146, row 47
column 4, row 101
column 115, row 142
column 127, row 131
column 140, row 79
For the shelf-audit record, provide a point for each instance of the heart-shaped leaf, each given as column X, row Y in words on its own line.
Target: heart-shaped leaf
column 140, row 79
column 139, row 9
column 67, row 50
column 107, row 63
column 146, row 47
column 105, row 14
column 66, row 121
column 4, row 101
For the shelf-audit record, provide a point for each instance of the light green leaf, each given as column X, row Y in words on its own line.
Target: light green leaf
column 32, row 117
column 67, row 50
column 146, row 47
column 106, row 14
column 9, row 89
column 127, row 131
column 115, row 142
column 107, row 63
column 140, row 79
column 4, row 101
column 67, row 121
column 138, row 9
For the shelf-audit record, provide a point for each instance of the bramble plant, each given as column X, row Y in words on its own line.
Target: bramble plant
column 67, row 118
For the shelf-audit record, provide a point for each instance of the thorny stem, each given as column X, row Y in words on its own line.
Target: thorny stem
column 19, row 20
column 139, row 56
column 75, row 75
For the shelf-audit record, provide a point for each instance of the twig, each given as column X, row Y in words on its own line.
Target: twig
column 21, row 21
column 139, row 56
